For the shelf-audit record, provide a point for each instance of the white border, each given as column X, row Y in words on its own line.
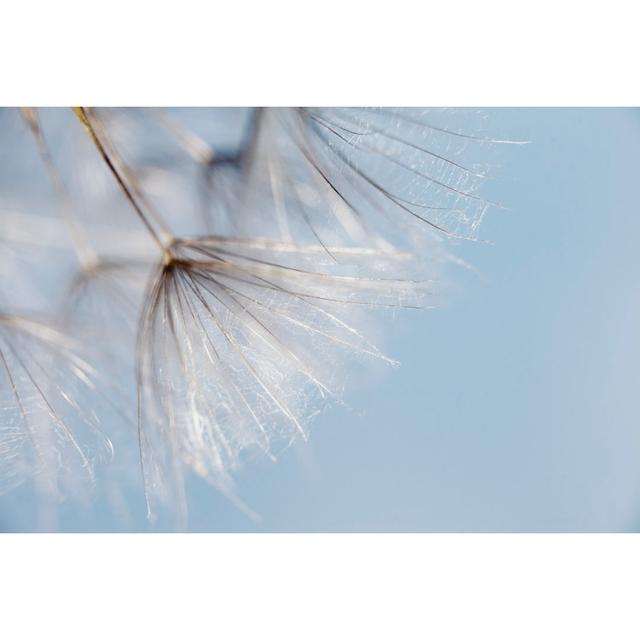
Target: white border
column 494, row 52
column 320, row 586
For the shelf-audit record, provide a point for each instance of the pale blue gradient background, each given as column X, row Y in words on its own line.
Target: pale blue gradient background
column 517, row 405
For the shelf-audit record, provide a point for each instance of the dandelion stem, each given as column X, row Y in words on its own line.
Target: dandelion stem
column 82, row 115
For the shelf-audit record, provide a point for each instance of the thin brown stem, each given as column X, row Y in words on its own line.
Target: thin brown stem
column 83, row 116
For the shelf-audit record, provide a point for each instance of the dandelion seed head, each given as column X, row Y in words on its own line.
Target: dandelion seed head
column 224, row 271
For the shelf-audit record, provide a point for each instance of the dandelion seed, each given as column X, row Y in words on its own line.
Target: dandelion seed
column 229, row 351
column 370, row 176
column 50, row 429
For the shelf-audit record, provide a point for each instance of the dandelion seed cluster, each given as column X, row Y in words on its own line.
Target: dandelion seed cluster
column 201, row 279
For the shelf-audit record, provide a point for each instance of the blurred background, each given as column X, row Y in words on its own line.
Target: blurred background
column 516, row 405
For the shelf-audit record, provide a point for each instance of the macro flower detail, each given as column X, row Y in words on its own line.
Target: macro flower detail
column 228, row 292
column 230, row 344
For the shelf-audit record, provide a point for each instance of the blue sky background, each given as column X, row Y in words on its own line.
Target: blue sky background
column 516, row 406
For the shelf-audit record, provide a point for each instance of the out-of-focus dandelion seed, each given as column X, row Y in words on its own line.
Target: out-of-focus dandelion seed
column 50, row 426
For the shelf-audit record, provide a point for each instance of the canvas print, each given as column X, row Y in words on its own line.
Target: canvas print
column 351, row 319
